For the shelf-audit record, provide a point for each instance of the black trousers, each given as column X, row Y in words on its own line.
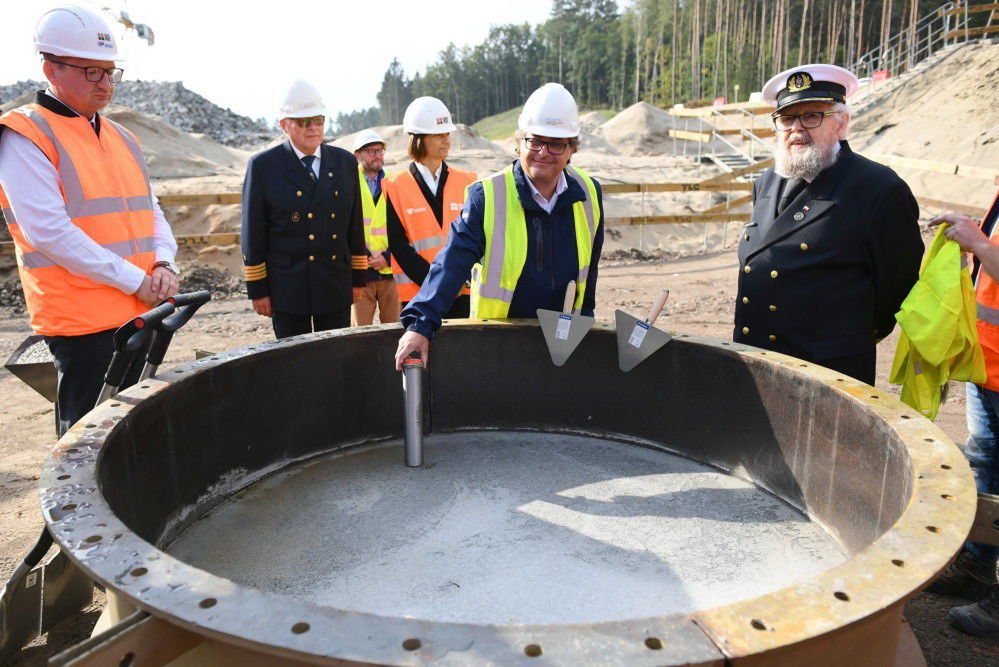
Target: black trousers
column 81, row 362
column 288, row 324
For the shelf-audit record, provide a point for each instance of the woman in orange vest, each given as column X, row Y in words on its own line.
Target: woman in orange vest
column 424, row 199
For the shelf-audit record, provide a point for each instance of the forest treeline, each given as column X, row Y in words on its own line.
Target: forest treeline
column 660, row 51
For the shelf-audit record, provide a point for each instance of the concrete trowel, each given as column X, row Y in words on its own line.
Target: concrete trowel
column 564, row 330
column 638, row 339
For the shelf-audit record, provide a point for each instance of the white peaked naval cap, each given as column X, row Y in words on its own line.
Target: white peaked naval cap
column 550, row 111
column 302, row 101
column 77, row 32
column 427, row 115
column 810, row 83
column 365, row 137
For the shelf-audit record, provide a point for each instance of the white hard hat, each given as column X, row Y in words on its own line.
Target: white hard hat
column 76, row 32
column 302, row 101
column 550, row 111
column 365, row 137
column 427, row 115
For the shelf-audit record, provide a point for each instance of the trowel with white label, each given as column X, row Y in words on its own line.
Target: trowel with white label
column 638, row 339
column 564, row 330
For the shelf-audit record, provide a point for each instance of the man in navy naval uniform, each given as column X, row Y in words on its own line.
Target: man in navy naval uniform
column 303, row 235
column 833, row 246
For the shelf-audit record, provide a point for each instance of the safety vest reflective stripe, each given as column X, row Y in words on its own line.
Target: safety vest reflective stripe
column 38, row 260
column 77, row 204
column 428, row 243
column 987, row 314
column 505, row 228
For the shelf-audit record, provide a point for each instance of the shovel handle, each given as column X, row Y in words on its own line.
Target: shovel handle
column 570, row 297
column 657, row 307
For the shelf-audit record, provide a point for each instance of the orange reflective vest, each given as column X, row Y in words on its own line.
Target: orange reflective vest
column 105, row 185
column 424, row 234
column 987, row 296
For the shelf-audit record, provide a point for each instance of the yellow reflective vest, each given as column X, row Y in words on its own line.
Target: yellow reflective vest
column 494, row 280
column 939, row 337
column 375, row 227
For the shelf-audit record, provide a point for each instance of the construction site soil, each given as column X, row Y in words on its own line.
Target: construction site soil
column 944, row 114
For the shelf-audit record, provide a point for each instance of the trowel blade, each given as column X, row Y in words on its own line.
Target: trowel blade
column 634, row 347
column 563, row 332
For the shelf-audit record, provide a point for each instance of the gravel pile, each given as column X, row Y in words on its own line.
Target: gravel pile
column 12, row 297
column 182, row 108
column 221, row 283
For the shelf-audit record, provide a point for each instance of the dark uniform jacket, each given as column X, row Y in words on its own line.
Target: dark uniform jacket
column 823, row 280
column 303, row 241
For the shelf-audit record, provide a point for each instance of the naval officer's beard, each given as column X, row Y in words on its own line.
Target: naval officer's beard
column 805, row 158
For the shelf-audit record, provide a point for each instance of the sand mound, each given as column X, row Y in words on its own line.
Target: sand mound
column 947, row 113
column 591, row 120
column 173, row 153
column 641, row 129
column 463, row 140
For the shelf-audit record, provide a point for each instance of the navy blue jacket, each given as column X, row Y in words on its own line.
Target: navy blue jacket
column 299, row 237
column 551, row 258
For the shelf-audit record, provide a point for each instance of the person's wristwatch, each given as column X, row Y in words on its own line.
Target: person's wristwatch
column 169, row 266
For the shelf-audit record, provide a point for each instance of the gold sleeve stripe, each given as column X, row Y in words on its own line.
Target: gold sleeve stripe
column 262, row 265
column 359, row 262
column 254, row 275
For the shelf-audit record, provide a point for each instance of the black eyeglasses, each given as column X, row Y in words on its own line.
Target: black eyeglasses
column 809, row 120
column 95, row 74
column 554, row 147
column 318, row 121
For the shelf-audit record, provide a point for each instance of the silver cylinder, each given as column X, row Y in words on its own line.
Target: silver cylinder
column 412, row 389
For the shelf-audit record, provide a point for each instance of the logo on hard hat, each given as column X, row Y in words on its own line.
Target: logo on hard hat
column 551, row 120
column 442, row 120
column 799, row 81
column 104, row 39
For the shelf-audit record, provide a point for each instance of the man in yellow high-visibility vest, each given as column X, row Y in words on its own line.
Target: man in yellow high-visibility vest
column 532, row 228
column 380, row 292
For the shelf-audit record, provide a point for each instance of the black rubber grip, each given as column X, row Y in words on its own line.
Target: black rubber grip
column 201, row 297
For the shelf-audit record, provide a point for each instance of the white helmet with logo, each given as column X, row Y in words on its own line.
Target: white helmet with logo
column 427, row 115
column 302, row 101
column 76, row 32
column 366, row 137
column 550, row 111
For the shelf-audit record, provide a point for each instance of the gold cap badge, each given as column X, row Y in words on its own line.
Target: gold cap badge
column 799, row 81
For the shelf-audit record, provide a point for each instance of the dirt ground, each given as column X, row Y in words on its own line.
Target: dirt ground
column 703, row 290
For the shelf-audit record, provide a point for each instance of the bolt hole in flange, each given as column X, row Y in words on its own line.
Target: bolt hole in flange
column 945, row 466
column 840, row 595
column 412, row 644
column 758, row 624
column 933, row 529
column 532, row 650
column 208, row 603
column 897, row 562
column 654, row 644
column 300, row 628
column 138, row 572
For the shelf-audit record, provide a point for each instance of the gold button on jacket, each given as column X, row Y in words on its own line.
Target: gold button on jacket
column 745, row 330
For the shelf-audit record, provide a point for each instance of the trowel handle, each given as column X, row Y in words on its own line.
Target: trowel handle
column 657, row 307
column 570, row 297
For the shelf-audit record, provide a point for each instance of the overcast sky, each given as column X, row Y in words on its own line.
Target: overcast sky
column 245, row 59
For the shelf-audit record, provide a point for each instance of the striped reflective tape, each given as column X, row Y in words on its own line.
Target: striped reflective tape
column 124, row 249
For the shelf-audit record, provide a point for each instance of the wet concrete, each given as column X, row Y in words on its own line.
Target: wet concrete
column 509, row 527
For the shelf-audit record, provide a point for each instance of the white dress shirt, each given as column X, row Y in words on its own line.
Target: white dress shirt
column 315, row 163
column 32, row 186
column 431, row 179
column 548, row 204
